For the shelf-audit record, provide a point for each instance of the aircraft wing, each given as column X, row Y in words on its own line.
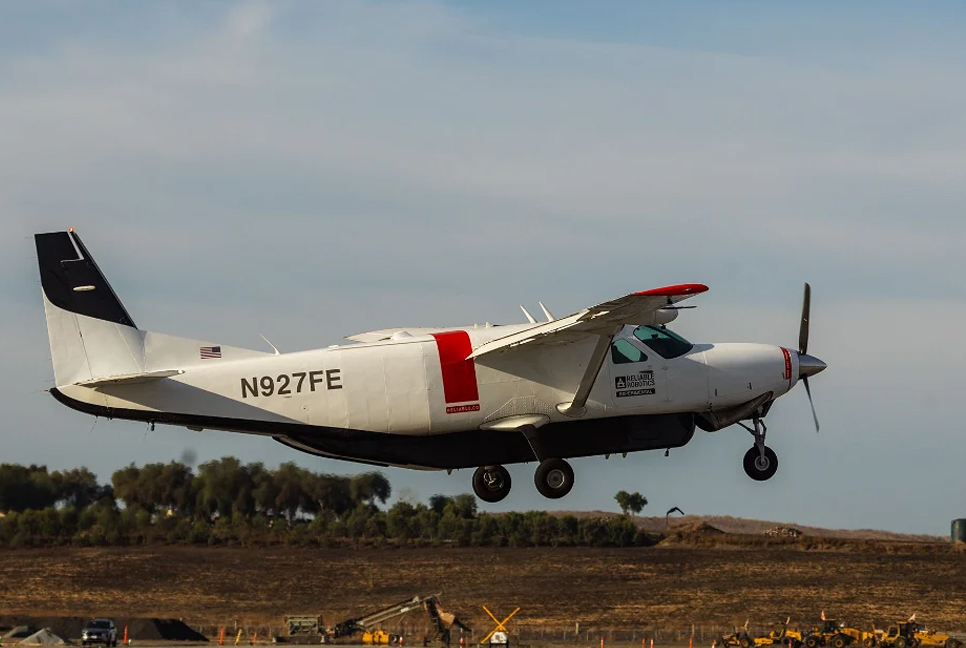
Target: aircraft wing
column 602, row 319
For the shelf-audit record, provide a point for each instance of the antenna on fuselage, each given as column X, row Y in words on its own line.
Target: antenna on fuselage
column 269, row 344
column 546, row 313
column 527, row 313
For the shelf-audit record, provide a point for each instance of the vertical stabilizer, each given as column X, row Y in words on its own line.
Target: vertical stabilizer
column 91, row 333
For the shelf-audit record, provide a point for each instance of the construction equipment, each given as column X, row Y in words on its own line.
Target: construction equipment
column 780, row 636
column 929, row 639
column 440, row 622
column 739, row 637
column 835, row 634
column 911, row 634
column 303, row 624
column 378, row 638
column 899, row 635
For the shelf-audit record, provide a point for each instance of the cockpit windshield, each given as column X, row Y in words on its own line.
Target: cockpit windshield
column 663, row 341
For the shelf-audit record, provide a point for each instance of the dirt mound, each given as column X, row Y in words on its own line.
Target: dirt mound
column 162, row 630
column 69, row 627
column 17, row 633
column 704, row 527
column 45, row 637
column 697, row 527
column 138, row 629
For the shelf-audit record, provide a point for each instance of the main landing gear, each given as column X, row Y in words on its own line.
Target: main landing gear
column 491, row 483
column 760, row 461
column 554, row 478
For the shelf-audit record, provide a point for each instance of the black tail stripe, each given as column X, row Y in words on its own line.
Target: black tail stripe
column 62, row 270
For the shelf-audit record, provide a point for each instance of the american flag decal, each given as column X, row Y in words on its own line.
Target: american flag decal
column 209, row 352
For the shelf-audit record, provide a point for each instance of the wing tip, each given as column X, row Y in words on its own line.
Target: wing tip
column 673, row 291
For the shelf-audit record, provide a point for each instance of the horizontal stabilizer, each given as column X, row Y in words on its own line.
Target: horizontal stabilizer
column 131, row 379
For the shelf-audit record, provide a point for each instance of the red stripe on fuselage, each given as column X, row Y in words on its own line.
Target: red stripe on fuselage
column 788, row 365
column 459, row 373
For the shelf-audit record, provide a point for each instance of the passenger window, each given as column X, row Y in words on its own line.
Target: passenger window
column 623, row 352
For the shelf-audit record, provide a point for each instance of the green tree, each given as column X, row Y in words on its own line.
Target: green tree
column 26, row 487
column 401, row 520
column 370, row 487
column 224, row 487
column 332, row 493
column 78, row 488
column 290, row 492
column 630, row 502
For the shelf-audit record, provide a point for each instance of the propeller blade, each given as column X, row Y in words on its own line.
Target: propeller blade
column 809, row 392
column 803, row 328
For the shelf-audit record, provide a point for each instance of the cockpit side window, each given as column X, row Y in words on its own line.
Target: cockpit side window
column 623, row 352
column 663, row 341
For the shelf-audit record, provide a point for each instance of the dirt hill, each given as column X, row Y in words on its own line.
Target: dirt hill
column 745, row 526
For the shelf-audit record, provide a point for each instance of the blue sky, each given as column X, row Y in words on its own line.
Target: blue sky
column 309, row 171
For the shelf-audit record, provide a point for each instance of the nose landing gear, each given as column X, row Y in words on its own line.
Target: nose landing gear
column 491, row 483
column 760, row 462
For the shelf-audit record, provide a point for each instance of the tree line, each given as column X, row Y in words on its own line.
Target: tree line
column 227, row 502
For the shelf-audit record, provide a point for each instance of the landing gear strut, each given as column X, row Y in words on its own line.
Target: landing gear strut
column 491, row 483
column 554, row 478
column 760, row 461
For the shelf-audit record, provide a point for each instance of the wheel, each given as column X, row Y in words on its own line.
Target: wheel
column 761, row 468
column 810, row 641
column 554, row 478
column 868, row 642
column 953, row 643
column 491, row 483
column 840, row 641
column 902, row 642
column 745, row 642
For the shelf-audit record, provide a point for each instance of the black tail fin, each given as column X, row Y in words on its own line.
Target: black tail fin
column 72, row 281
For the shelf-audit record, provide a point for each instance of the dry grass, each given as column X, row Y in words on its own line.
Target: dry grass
column 669, row 586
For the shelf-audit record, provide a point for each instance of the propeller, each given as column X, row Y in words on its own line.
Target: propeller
column 808, row 365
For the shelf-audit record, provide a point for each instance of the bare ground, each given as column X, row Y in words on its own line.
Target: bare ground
column 666, row 587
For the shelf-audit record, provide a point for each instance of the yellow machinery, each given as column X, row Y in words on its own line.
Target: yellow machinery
column 837, row 635
column 929, row 639
column 378, row 638
column 780, row 636
column 899, row 635
column 739, row 637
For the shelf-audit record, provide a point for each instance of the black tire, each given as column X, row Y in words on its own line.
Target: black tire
column 810, row 641
column 554, row 478
column 840, row 641
column 953, row 643
column 745, row 642
column 902, row 642
column 869, row 642
column 491, row 483
column 758, row 470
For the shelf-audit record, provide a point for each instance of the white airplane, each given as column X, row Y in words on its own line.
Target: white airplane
column 608, row 379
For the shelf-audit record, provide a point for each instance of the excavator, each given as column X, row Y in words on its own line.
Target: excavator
column 441, row 623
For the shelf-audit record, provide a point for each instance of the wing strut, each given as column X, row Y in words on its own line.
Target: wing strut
column 575, row 408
